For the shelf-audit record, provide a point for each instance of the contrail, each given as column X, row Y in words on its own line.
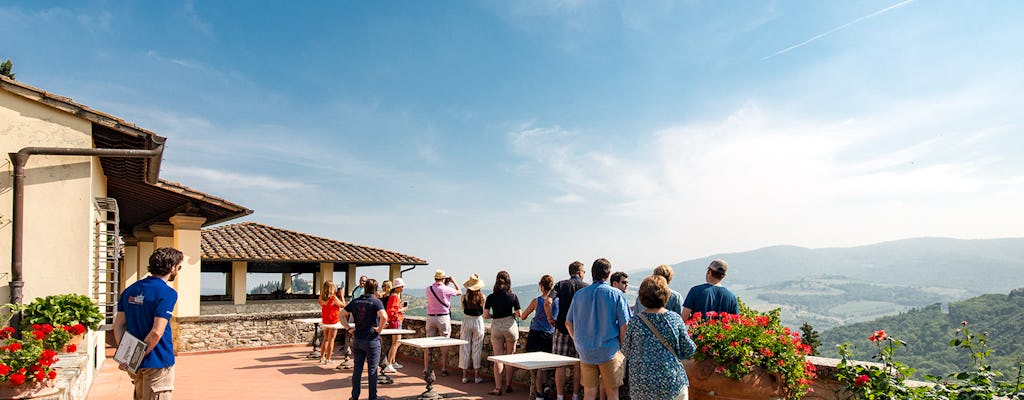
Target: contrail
column 839, row 28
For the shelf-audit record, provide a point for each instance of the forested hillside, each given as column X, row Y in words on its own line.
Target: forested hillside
column 928, row 331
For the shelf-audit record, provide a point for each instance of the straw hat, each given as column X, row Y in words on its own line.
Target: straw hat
column 474, row 283
column 439, row 274
column 397, row 283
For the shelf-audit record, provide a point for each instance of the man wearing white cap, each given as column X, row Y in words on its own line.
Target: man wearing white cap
column 439, row 320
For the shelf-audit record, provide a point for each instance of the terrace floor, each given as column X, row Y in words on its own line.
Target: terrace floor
column 283, row 372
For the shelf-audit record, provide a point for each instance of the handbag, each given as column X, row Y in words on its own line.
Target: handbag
column 658, row 335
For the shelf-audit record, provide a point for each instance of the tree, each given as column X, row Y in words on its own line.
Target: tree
column 6, row 67
column 810, row 337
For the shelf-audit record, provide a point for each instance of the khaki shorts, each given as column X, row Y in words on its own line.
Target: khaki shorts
column 608, row 374
column 154, row 383
column 439, row 326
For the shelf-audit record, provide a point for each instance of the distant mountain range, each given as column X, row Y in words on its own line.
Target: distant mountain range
column 833, row 286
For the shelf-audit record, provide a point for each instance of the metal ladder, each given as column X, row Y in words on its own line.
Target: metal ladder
column 107, row 255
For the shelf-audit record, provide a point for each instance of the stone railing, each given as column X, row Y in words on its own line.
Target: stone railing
column 231, row 331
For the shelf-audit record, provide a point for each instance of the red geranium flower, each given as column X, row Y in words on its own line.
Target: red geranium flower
column 862, row 380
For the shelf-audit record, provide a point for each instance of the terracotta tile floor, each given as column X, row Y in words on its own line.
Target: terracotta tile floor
column 282, row 373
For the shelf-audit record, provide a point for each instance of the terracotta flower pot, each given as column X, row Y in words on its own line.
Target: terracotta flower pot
column 27, row 390
column 705, row 384
column 75, row 341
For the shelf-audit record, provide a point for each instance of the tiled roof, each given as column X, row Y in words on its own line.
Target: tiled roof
column 251, row 241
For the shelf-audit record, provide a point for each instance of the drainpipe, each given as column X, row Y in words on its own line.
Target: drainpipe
column 20, row 159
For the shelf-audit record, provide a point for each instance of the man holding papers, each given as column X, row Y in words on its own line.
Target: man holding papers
column 144, row 310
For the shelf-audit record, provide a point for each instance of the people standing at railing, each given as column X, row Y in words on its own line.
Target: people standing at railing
column 439, row 318
column 396, row 309
column 472, row 329
column 369, row 318
column 675, row 300
column 330, row 307
column 656, row 344
column 539, row 338
column 503, row 307
column 597, row 322
column 711, row 296
column 561, row 341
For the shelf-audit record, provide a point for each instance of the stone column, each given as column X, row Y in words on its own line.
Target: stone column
column 145, row 238
column 163, row 235
column 188, row 239
column 395, row 271
column 239, row 274
column 129, row 273
column 351, row 279
column 286, row 282
column 326, row 274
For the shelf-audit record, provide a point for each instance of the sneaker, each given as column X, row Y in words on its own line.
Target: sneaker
column 478, row 380
column 575, row 396
column 389, row 369
column 397, row 365
column 465, row 380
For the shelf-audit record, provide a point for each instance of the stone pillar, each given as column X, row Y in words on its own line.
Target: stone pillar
column 188, row 239
column 145, row 238
column 239, row 274
column 351, row 279
column 129, row 273
column 326, row 273
column 163, row 235
column 286, row 282
column 395, row 271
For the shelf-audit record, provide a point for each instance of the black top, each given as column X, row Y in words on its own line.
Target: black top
column 364, row 314
column 502, row 304
column 473, row 310
column 563, row 291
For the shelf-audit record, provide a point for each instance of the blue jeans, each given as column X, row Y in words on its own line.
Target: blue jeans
column 365, row 351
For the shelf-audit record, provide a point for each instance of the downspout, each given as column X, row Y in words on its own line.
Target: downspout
column 20, row 160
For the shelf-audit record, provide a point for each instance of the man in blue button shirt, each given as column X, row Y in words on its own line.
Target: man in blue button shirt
column 597, row 322
column 144, row 310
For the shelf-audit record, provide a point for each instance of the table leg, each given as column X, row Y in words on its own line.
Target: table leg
column 430, row 393
column 316, row 341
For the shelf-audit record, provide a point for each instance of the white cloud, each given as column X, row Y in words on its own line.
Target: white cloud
column 569, row 198
column 223, row 179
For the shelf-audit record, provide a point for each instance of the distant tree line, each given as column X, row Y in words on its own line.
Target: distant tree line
column 928, row 332
column 299, row 285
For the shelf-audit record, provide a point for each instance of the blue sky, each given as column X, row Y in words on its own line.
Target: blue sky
column 524, row 135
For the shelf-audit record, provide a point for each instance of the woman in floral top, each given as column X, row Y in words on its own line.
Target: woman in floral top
column 655, row 373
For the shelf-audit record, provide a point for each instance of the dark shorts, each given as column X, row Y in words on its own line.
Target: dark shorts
column 538, row 341
column 563, row 345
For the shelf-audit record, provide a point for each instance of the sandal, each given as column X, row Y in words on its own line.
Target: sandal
column 444, row 372
column 495, row 392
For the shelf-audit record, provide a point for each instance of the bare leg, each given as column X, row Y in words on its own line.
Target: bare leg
column 510, row 348
column 393, row 352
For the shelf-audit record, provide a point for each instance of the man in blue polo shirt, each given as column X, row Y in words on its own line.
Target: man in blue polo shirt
column 144, row 310
column 597, row 322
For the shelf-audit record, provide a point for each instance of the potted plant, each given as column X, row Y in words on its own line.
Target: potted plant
column 767, row 358
column 61, row 309
column 26, row 368
column 62, row 338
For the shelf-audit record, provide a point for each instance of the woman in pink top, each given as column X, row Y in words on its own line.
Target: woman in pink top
column 330, row 308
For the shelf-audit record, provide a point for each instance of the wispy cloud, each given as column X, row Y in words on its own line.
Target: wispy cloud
column 196, row 20
column 231, row 180
column 837, row 29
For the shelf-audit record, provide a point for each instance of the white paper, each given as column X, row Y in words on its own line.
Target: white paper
column 130, row 351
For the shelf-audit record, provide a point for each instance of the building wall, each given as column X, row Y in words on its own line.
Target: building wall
column 58, row 199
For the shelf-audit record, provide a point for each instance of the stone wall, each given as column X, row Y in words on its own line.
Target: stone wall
column 258, row 306
column 231, row 331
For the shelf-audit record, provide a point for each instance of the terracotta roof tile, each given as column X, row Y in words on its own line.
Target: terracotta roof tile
column 253, row 241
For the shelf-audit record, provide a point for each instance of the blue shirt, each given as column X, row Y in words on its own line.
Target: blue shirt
column 597, row 313
column 143, row 301
column 364, row 315
column 540, row 319
column 708, row 297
